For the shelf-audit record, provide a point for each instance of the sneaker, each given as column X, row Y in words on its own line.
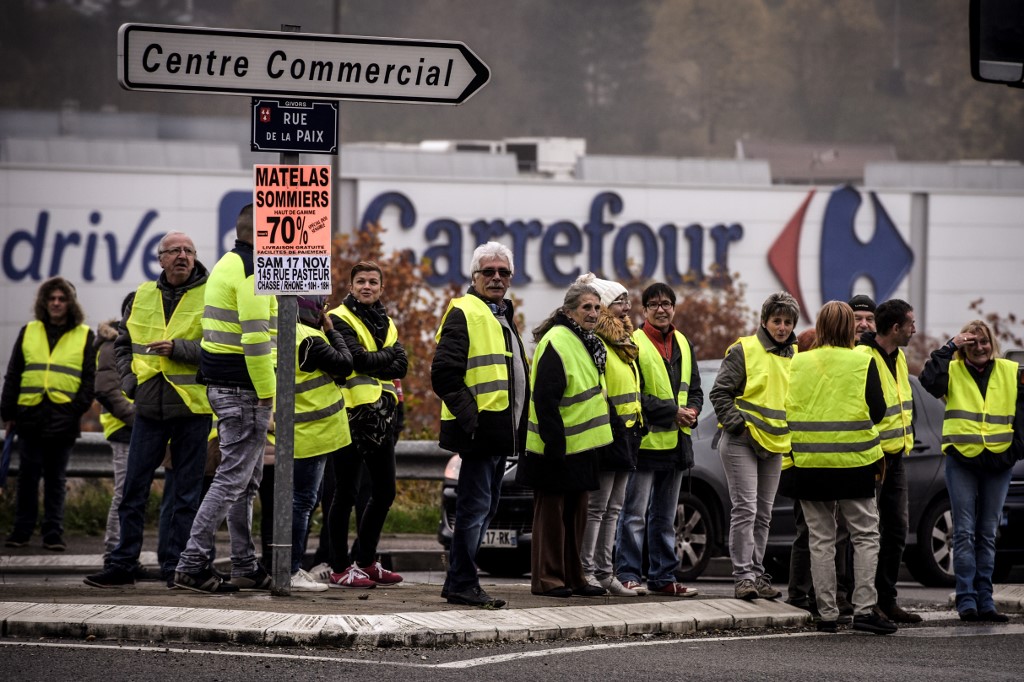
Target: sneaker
column 674, row 590
column 475, row 596
column 204, row 581
column 143, row 574
column 592, row 580
column 617, row 589
column 898, row 615
column 969, row 615
column 321, row 573
column 352, row 578
column 764, row 588
column 304, row 582
column 17, row 540
column 110, row 576
column 54, row 542
column 993, row 616
column 745, row 590
column 635, row 586
column 380, row 575
column 874, row 621
column 256, row 580
column 830, row 626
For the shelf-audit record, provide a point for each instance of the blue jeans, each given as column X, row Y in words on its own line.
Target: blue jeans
column 651, row 496
column 476, row 500
column 307, row 473
column 46, row 458
column 150, row 437
column 242, row 426
column 976, row 498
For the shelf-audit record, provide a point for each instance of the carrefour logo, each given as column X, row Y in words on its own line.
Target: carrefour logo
column 885, row 259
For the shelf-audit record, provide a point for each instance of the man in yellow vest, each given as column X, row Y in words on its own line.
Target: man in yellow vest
column 671, row 399
column 47, row 389
column 894, row 320
column 481, row 374
column 157, row 354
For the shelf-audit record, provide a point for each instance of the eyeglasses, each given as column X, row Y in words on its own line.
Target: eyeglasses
column 505, row 273
column 179, row 249
column 660, row 305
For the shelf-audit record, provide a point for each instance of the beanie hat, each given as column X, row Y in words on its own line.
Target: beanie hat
column 606, row 289
column 309, row 309
column 862, row 302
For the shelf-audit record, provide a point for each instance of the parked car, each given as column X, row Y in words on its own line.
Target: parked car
column 702, row 519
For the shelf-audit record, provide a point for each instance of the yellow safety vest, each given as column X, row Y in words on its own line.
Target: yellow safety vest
column 656, row 383
column 973, row 422
column 108, row 421
column 623, row 381
column 829, row 420
column 56, row 373
column 763, row 402
column 487, row 362
column 583, row 407
column 146, row 324
column 362, row 389
column 897, row 429
column 321, row 421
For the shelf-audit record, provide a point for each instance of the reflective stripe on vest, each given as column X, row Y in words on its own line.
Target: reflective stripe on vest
column 362, row 389
column 583, row 407
column 487, row 361
column 146, row 324
column 656, row 383
column 896, row 430
column 623, row 381
column 975, row 423
column 763, row 402
column 829, row 420
column 56, row 373
column 321, row 420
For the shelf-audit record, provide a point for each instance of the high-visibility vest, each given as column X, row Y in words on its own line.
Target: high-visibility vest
column 897, row 429
column 108, row 421
column 146, row 324
column 975, row 422
column 623, row 381
column 321, row 421
column 234, row 314
column 763, row 401
column 657, row 383
column 583, row 407
column 829, row 420
column 362, row 389
column 487, row 361
column 56, row 373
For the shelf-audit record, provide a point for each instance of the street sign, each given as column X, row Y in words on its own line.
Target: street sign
column 294, row 126
column 296, row 65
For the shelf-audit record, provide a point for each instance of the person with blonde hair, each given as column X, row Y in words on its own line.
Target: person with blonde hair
column 981, row 391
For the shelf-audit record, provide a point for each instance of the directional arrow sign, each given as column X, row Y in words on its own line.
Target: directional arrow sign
column 301, row 65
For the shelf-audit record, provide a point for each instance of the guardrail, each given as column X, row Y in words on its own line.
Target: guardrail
column 91, row 458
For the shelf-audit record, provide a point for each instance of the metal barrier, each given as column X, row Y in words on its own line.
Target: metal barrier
column 419, row 460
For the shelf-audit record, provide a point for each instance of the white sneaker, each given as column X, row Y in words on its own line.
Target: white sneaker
column 617, row 589
column 321, row 573
column 592, row 580
column 304, row 582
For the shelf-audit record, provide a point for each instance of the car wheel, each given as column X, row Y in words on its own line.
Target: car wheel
column 693, row 535
column 503, row 563
column 931, row 562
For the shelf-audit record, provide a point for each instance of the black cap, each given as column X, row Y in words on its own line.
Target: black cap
column 862, row 302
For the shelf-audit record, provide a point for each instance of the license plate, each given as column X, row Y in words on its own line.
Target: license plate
column 500, row 538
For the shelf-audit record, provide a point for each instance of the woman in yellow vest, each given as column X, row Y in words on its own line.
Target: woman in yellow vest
column 569, row 426
column 982, row 392
column 835, row 400
column 749, row 397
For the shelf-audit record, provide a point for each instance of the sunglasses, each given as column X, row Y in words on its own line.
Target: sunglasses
column 505, row 273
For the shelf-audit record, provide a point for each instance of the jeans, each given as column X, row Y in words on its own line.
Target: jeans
column 307, row 475
column 752, row 485
column 46, row 458
column 976, row 498
column 893, row 524
column 150, row 437
column 862, row 519
column 476, row 501
column 603, row 510
column 242, row 425
column 348, row 463
column 654, row 496
column 120, row 462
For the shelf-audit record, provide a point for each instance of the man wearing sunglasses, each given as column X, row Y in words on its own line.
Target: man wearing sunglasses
column 480, row 372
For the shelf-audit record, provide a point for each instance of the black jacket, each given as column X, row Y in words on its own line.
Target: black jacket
column 473, row 433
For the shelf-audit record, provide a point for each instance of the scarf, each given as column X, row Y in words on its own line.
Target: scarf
column 662, row 342
column 590, row 341
column 375, row 317
column 617, row 334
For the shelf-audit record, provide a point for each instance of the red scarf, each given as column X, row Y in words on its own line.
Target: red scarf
column 663, row 342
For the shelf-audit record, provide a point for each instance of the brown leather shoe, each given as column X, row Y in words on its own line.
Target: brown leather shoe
column 898, row 615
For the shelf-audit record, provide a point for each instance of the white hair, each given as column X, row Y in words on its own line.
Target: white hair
column 488, row 251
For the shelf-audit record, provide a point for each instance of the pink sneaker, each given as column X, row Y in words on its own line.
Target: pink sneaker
column 380, row 575
column 352, row 578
